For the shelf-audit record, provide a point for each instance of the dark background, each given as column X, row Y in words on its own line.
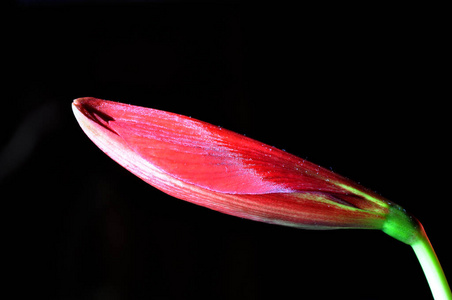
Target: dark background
column 361, row 90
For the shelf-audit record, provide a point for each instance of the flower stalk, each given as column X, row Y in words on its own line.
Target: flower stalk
column 227, row 172
column 406, row 228
column 431, row 267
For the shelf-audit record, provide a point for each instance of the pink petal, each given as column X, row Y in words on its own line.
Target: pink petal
column 212, row 157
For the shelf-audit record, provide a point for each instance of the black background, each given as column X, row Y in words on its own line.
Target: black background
column 361, row 90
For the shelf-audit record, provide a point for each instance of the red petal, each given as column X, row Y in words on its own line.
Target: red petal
column 212, row 157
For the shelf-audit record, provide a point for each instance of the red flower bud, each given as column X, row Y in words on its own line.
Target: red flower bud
column 222, row 170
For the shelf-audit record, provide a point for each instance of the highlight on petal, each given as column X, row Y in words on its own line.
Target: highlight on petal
column 222, row 170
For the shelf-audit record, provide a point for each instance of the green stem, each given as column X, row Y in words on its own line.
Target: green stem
column 432, row 268
column 402, row 226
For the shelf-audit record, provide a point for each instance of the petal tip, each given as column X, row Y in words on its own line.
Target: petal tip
column 85, row 100
column 90, row 108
